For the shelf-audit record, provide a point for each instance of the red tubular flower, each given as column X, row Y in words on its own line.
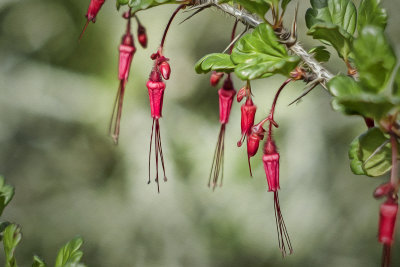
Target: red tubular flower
column 271, row 167
column 387, row 221
column 248, row 112
column 215, row 78
column 94, row 8
column 226, row 95
column 156, row 88
column 126, row 51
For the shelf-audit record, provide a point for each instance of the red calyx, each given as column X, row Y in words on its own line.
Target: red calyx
column 271, row 165
column 215, row 78
column 126, row 51
column 387, row 221
column 156, row 88
column 142, row 36
column 386, row 189
column 94, row 8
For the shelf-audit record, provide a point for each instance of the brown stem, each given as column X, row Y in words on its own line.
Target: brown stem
column 169, row 24
column 394, row 173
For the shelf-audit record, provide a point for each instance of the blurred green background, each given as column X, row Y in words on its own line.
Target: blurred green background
column 56, row 99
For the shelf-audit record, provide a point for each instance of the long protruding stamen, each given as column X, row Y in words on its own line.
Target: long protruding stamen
column 217, row 167
column 251, row 173
column 151, row 141
column 117, row 112
column 83, row 30
column 386, row 255
column 283, row 235
column 156, row 143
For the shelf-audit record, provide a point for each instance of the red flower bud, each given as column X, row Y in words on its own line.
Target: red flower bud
column 387, row 221
column 271, row 165
column 156, row 95
column 253, row 142
column 241, row 94
column 94, row 8
column 384, row 190
column 126, row 51
column 215, row 78
column 165, row 70
column 247, row 119
column 142, row 36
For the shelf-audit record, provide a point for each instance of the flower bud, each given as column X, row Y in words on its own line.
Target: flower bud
column 241, row 94
column 215, row 78
column 387, row 221
column 248, row 112
column 142, row 36
column 383, row 190
column 165, row 70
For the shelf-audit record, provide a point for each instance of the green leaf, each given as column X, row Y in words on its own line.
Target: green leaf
column 6, row 194
column 259, row 55
column 396, row 84
column 137, row 5
column 365, row 145
column 38, row 262
column 333, row 22
column 70, row 255
column 217, row 62
column 371, row 13
column 352, row 100
column 374, row 59
column 11, row 238
column 285, row 3
column 259, row 7
column 320, row 53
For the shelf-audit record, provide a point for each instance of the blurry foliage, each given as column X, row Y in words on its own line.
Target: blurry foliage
column 54, row 108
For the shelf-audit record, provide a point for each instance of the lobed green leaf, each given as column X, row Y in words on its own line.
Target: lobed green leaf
column 333, row 22
column 70, row 254
column 367, row 155
column 11, row 238
column 6, row 194
column 38, row 262
column 320, row 53
column 374, row 59
column 371, row 13
column 350, row 99
column 259, row 55
column 137, row 5
column 215, row 62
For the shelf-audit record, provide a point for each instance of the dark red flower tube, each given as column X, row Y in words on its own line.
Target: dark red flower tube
column 126, row 51
column 226, row 95
column 93, row 10
column 387, row 221
column 156, row 95
column 271, row 165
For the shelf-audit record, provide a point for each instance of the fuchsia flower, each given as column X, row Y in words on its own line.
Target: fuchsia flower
column 126, row 51
column 271, row 167
column 248, row 112
column 226, row 95
column 93, row 10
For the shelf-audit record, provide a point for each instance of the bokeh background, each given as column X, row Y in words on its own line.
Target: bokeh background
column 56, row 98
